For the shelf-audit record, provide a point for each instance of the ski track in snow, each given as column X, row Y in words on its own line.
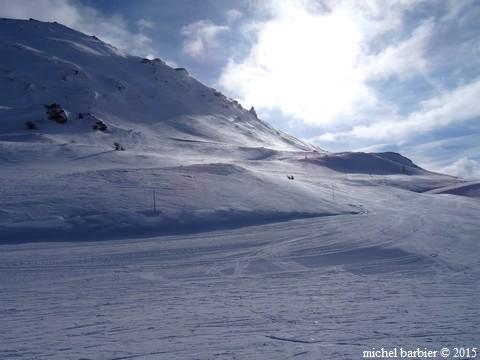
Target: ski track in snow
column 273, row 291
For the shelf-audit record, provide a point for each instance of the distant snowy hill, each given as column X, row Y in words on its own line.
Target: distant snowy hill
column 96, row 142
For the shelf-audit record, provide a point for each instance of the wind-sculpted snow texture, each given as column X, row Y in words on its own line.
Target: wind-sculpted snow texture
column 145, row 215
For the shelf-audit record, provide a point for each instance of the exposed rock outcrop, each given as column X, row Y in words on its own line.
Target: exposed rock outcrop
column 56, row 113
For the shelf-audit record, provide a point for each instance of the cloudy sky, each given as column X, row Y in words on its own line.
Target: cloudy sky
column 372, row 75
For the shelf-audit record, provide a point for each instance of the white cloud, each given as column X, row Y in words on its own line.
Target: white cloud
column 302, row 63
column 233, row 15
column 402, row 59
column 465, row 168
column 111, row 29
column 454, row 106
column 200, row 37
column 312, row 60
column 144, row 24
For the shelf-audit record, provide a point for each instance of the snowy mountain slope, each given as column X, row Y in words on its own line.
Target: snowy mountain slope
column 371, row 163
column 44, row 63
column 90, row 138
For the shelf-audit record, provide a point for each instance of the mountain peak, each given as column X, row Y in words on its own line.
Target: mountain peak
column 45, row 63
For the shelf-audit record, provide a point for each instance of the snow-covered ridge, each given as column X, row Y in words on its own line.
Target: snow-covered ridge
column 470, row 189
column 47, row 63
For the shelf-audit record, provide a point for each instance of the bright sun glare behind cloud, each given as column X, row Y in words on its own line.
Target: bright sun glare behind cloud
column 301, row 56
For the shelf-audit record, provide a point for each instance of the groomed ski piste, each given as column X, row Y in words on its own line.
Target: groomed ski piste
column 144, row 215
